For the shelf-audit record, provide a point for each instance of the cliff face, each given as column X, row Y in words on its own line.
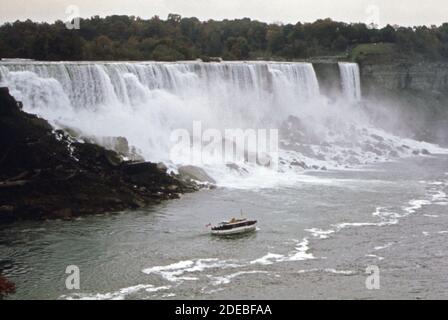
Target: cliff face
column 427, row 77
column 415, row 93
column 46, row 174
column 329, row 78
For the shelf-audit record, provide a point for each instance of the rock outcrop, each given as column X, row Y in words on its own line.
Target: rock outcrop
column 46, row 174
column 418, row 76
column 195, row 174
column 415, row 93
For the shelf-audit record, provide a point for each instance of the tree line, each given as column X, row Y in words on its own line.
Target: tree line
column 121, row 37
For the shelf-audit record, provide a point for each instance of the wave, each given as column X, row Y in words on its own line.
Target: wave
column 120, row 294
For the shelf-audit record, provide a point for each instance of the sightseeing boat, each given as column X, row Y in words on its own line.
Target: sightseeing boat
column 234, row 226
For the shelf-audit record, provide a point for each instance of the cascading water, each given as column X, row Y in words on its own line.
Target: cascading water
column 350, row 80
column 3, row 73
column 145, row 102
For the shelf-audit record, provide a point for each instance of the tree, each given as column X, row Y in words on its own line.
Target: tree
column 164, row 53
column 103, row 48
column 127, row 37
column 340, row 43
column 275, row 38
column 174, row 18
column 388, row 34
column 238, row 47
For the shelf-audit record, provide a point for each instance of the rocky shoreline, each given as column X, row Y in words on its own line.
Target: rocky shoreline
column 46, row 174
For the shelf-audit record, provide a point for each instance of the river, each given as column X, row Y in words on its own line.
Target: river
column 316, row 238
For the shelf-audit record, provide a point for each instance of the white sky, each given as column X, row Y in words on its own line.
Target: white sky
column 382, row 12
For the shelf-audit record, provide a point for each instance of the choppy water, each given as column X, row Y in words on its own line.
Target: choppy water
column 316, row 239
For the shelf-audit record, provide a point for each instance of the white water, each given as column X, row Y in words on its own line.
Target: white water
column 145, row 102
column 350, row 80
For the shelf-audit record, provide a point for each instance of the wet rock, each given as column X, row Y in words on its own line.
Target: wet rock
column 306, row 151
column 301, row 164
column 320, row 156
column 195, row 173
column 117, row 144
column 353, row 161
column 113, row 158
column 416, row 152
column 369, row 148
column 261, row 159
column 382, row 146
column 235, row 167
column 162, row 167
column 425, row 152
column 393, row 154
column 45, row 175
column 8, row 103
column 337, row 158
column 377, row 137
column 73, row 132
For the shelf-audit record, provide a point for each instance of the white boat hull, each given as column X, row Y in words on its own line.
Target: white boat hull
column 238, row 230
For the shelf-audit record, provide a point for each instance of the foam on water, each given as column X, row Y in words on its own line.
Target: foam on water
column 221, row 280
column 120, row 294
column 268, row 259
column 328, row 270
column 174, row 272
column 319, row 233
column 387, row 245
column 387, row 216
column 300, row 253
column 374, row 256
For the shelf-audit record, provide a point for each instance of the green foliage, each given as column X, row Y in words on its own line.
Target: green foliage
column 120, row 37
column 376, row 52
column 164, row 53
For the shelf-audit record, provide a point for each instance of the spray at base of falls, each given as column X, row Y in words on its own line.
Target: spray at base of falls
column 146, row 102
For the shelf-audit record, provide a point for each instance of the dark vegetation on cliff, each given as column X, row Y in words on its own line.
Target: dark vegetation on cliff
column 45, row 174
column 176, row 38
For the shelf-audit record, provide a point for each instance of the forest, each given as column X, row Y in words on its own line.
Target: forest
column 122, row 37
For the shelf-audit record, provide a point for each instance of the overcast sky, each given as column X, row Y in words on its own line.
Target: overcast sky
column 382, row 12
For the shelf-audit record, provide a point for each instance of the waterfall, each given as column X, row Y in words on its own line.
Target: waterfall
column 350, row 80
column 3, row 75
column 145, row 101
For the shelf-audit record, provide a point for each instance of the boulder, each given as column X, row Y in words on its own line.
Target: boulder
column 8, row 106
column 301, row 164
column 237, row 168
column 195, row 173
column 352, row 160
column 117, row 144
column 162, row 167
column 393, row 154
column 377, row 137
